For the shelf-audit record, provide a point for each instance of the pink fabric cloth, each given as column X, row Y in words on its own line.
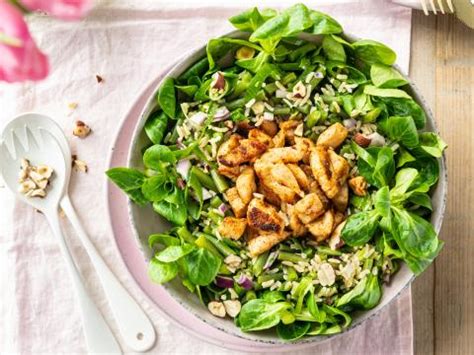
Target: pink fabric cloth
column 128, row 45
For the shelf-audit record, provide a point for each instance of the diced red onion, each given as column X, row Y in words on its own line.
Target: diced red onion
column 270, row 260
column 182, row 167
column 198, row 118
column 222, row 113
column 223, row 208
column 349, row 123
column 224, row 282
column 181, row 184
column 245, row 282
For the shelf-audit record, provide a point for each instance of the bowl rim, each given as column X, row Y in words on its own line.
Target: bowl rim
column 178, row 68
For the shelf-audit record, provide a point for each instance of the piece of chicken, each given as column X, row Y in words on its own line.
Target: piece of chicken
column 246, row 185
column 279, row 179
column 232, row 227
column 322, row 227
column 246, row 151
column 358, row 185
column 339, row 217
column 228, row 146
column 341, row 199
column 262, row 243
column 329, row 169
column 315, row 188
column 305, row 146
column 260, row 136
column 300, row 176
column 279, row 139
column 232, row 172
column 282, row 155
column 268, row 193
column 289, row 128
column 333, row 136
column 264, row 217
column 309, row 208
column 297, row 227
column 238, row 206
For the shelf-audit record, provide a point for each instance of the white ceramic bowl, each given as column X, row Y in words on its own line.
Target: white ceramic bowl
column 145, row 221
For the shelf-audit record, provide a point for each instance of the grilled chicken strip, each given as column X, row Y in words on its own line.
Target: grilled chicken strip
column 246, row 185
column 309, row 208
column 333, row 136
column 322, row 227
column 262, row 243
column 238, row 206
column 329, row 169
column 264, row 218
column 232, row 227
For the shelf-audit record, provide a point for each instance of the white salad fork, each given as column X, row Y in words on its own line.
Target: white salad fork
column 134, row 326
column 41, row 148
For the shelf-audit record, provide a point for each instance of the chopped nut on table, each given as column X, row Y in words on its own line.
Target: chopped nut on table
column 34, row 179
column 232, row 307
column 81, row 130
column 79, row 165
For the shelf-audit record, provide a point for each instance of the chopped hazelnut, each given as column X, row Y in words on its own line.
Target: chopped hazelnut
column 217, row 308
column 299, row 90
column 81, row 130
column 244, row 52
column 362, row 140
column 232, row 307
column 358, row 185
column 79, row 165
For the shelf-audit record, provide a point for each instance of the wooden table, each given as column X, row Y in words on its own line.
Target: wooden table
column 443, row 297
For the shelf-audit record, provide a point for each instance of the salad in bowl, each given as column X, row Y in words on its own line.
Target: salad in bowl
column 292, row 165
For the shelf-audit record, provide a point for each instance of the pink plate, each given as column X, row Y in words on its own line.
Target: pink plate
column 117, row 205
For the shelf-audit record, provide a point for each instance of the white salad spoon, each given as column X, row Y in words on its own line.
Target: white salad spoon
column 134, row 326
column 40, row 147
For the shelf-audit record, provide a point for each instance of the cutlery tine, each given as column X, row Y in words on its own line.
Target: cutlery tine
column 32, row 139
column 18, row 147
column 425, row 9
column 433, row 6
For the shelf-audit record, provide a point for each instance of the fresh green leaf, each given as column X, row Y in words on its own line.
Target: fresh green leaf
column 259, row 314
column 155, row 127
column 201, row 266
column 167, row 97
column 375, row 91
column 374, row 52
column 384, row 167
column 405, row 107
column 432, row 144
column 155, row 188
column 251, row 19
column 421, row 199
column 258, row 79
column 333, row 49
column 323, row 24
column 404, row 157
column 292, row 331
column 174, row 213
column 156, row 155
column 174, row 252
column 384, row 76
column 360, row 228
column 164, row 239
column 218, row 48
column 130, row 181
column 382, row 201
column 402, row 129
column 161, row 272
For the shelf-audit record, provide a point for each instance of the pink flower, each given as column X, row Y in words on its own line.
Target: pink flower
column 63, row 9
column 20, row 59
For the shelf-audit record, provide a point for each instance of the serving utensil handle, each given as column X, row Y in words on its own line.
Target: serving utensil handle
column 134, row 326
column 99, row 337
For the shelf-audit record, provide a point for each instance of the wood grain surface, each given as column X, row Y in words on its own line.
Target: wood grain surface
column 442, row 65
